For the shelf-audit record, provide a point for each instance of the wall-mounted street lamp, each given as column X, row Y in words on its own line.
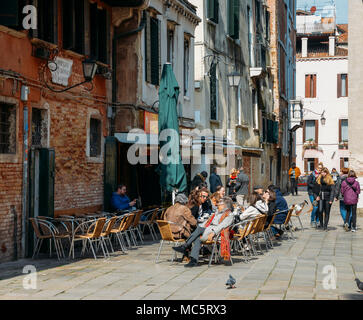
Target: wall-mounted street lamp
column 298, row 111
column 234, row 79
column 89, row 68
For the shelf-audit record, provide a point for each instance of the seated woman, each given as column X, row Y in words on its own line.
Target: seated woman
column 215, row 198
column 257, row 207
column 270, row 198
column 181, row 215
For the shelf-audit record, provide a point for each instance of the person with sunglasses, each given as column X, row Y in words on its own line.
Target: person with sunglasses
column 200, row 205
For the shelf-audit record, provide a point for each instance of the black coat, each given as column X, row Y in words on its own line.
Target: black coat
column 214, row 182
column 311, row 183
column 324, row 191
column 196, row 181
column 206, row 208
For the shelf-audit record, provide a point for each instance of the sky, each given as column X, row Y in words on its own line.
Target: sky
column 341, row 7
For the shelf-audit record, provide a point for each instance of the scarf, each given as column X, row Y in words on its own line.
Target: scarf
column 233, row 177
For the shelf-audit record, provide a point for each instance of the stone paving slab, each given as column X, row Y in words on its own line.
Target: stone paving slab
column 291, row 270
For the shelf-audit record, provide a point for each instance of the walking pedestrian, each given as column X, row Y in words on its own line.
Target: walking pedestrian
column 339, row 197
column 324, row 194
column 242, row 187
column 335, row 175
column 214, row 180
column 314, row 217
column 294, row 174
column 350, row 190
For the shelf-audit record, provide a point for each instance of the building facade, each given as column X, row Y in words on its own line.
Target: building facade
column 234, row 39
column 52, row 136
column 355, row 113
column 322, row 85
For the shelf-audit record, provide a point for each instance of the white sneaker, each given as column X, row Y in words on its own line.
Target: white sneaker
column 354, row 230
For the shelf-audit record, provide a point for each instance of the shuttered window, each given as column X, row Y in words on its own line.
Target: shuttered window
column 342, row 85
column 98, row 33
column 233, row 18
column 152, row 50
column 186, row 66
column 213, row 10
column 7, row 128
column 95, row 137
column 11, row 14
column 310, row 86
column 47, row 20
column 73, row 20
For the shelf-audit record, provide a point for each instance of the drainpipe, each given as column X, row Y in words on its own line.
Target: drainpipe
column 117, row 37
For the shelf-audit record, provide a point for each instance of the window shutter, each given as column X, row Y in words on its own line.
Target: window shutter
column 154, row 50
column 314, row 86
column 213, row 91
column 304, row 129
column 316, row 131
column 340, row 130
column 307, row 86
column 147, row 48
column 347, row 86
column 341, row 163
column 339, row 86
column 212, row 10
column 233, row 18
column 316, row 162
column 306, row 165
column 9, row 13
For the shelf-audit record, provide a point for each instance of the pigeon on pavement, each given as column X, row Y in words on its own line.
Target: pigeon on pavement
column 359, row 284
column 231, row 282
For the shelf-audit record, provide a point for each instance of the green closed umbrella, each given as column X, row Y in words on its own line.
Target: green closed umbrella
column 172, row 175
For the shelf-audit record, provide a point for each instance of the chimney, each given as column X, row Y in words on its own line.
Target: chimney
column 332, row 46
column 304, row 47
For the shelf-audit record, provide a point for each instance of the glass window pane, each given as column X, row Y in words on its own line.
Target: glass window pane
column 344, row 130
column 310, row 130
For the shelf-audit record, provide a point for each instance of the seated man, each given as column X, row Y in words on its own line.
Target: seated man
column 281, row 206
column 222, row 219
column 120, row 201
column 180, row 214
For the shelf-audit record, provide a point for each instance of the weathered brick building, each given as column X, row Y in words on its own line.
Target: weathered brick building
column 61, row 142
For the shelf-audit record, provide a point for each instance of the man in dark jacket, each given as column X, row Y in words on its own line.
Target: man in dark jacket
column 311, row 185
column 242, row 187
column 214, row 180
column 199, row 179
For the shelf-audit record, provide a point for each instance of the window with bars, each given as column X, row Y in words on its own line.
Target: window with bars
column 11, row 14
column 152, row 49
column 95, row 138
column 7, row 128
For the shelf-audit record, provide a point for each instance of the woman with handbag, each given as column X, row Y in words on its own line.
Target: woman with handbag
column 326, row 191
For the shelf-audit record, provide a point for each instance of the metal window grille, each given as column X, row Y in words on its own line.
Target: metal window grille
column 7, row 129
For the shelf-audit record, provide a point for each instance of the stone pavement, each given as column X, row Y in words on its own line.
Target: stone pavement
column 291, row 270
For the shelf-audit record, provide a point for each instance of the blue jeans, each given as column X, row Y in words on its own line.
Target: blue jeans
column 314, row 213
column 343, row 212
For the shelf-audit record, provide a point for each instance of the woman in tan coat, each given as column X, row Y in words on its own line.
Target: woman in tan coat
column 181, row 216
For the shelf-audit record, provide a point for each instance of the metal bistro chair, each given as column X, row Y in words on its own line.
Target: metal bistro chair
column 44, row 230
column 166, row 235
column 135, row 226
column 151, row 217
column 122, row 224
column 237, row 241
column 105, row 235
column 286, row 226
column 93, row 234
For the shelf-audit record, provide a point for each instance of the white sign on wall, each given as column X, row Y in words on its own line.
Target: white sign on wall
column 63, row 71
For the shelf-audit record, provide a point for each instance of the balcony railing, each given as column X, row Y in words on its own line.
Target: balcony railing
column 308, row 28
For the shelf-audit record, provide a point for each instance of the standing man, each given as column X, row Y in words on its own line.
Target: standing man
column 214, row 180
column 294, row 174
column 242, row 187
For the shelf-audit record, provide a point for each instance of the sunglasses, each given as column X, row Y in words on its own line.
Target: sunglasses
column 267, row 191
column 202, row 196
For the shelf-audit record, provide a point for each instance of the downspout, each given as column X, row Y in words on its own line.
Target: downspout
column 117, row 37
